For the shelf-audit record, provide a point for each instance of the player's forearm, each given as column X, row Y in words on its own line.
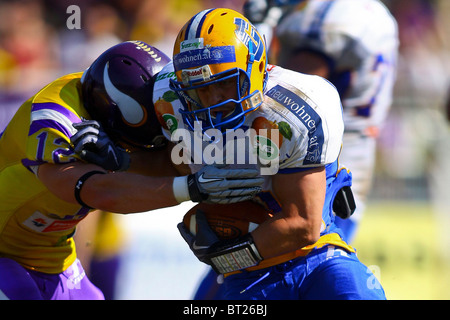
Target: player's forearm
column 278, row 236
column 129, row 193
column 120, row 192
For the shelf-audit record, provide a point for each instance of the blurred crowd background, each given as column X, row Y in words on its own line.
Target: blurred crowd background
column 410, row 194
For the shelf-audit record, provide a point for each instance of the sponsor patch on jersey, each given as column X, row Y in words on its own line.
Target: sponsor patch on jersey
column 162, row 76
column 266, row 148
column 307, row 115
column 41, row 223
column 171, row 122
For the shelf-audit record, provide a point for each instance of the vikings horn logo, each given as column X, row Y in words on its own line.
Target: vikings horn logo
column 131, row 110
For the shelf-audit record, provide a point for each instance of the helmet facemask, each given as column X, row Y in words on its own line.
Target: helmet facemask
column 227, row 114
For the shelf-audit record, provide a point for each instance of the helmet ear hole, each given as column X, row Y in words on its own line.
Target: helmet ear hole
column 210, row 29
column 144, row 78
column 261, row 66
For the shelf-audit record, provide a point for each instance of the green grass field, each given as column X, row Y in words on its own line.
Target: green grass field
column 401, row 242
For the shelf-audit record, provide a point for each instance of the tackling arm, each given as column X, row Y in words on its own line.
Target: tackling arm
column 125, row 192
column 120, row 192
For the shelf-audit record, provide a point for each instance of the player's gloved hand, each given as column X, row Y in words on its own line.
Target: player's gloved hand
column 93, row 145
column 223, row 256
column 218, row 185
column 204, row 238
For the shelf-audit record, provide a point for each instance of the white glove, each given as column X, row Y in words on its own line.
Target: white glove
column 218, row 185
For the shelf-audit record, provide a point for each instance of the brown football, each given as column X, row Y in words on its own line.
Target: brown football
column 229, row 220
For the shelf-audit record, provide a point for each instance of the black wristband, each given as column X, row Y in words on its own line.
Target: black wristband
column 194, row 190
column 80, row 184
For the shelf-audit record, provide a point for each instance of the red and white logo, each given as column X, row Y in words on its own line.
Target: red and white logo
column 41, row 223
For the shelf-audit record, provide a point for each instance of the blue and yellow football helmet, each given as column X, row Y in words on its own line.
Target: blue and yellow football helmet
column 214, row 46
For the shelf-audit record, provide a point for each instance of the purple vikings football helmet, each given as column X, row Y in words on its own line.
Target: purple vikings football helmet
column 117, row 92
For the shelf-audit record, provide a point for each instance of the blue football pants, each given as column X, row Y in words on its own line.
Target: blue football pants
column 326, row 274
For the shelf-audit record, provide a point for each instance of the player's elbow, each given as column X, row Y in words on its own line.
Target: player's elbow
column 306, row 232
column 310, row 238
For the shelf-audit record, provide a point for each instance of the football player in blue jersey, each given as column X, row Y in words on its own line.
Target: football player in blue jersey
column 337, row 40
column 224, row 84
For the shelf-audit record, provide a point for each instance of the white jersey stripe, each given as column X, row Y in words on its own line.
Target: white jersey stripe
column 49, row 114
